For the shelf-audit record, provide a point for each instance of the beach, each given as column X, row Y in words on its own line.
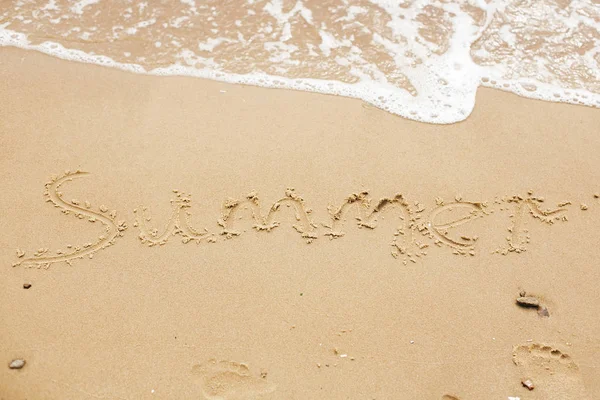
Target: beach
column 188, row 238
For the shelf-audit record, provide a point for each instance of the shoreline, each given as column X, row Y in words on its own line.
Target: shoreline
column 418, row 60
column 275, row 82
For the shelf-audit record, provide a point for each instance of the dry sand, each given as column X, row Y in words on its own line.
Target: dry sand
column 386, row 311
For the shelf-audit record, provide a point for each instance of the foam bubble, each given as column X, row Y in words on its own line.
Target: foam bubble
column 420, row 60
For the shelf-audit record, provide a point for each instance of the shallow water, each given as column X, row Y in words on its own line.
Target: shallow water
column 423, row 60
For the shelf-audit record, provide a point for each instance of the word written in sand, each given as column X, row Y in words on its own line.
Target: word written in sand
column 416, row 230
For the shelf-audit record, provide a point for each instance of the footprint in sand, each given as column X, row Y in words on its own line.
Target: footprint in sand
column 228, row 380
column 554, row 374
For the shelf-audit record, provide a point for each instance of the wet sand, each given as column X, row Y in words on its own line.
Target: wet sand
column 403, row 297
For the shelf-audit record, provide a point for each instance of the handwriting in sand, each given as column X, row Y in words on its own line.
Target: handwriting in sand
column 416, row 230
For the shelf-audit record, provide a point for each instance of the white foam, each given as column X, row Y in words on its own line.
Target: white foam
column 50, row 6
column 211, row 43
column 16, row 39
column 443, row 77
column 78, row 7
column 387, row 98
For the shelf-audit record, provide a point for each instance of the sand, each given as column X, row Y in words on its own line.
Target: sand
column 197, row 239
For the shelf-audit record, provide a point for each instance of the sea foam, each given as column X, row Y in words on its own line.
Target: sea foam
column 423, row 60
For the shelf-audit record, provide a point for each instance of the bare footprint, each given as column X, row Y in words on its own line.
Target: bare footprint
column 554, row 374
column 228, row 380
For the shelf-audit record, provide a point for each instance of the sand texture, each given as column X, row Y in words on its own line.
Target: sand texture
column 177, row 238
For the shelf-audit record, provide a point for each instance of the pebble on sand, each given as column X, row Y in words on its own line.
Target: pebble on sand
column 16, row 364
column 528, row 301
column 26, row 285
column 528, row 384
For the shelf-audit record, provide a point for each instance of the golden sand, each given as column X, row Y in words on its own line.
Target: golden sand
column 233, row 242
